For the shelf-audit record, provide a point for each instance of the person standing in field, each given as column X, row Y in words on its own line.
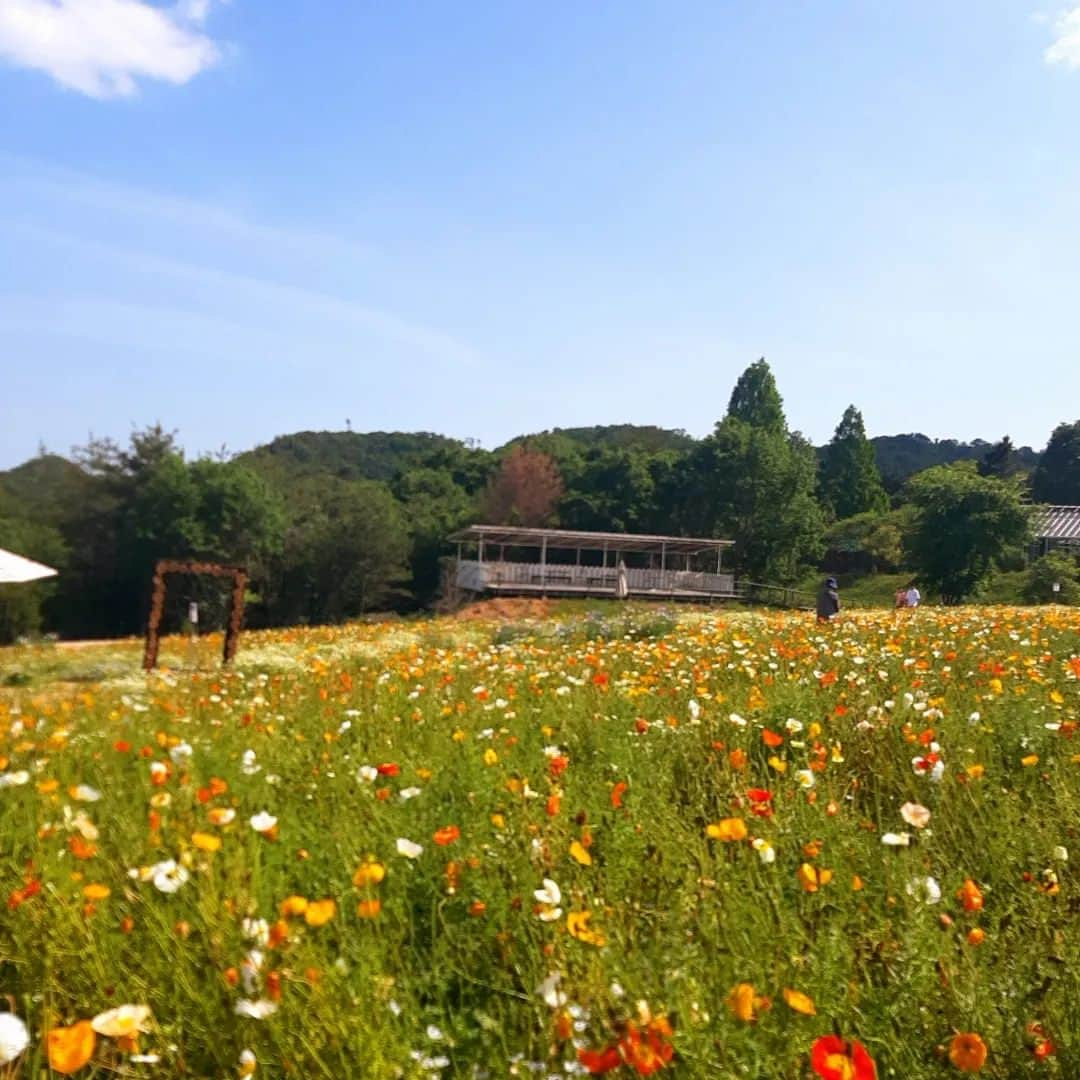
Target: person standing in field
column 828, row 604
column 913, row 597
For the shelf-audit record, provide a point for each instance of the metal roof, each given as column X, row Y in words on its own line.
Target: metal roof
column 513, row 535
column 1058, row 523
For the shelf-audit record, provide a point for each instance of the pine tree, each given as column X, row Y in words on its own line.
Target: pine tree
column 850, row 482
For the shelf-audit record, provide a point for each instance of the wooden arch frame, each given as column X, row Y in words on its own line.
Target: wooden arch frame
column 157, row 604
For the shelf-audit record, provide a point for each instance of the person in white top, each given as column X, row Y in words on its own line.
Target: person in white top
column 913, row 596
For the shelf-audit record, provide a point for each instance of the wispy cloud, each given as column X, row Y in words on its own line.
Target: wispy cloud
column 1066, row 47
column 102, row 48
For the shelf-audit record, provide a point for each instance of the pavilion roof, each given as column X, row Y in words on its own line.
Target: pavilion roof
column 518, row 536
column 1058, row 523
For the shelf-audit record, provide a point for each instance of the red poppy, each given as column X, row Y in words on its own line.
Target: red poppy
column 387, row 769
column 833, row 1058
column 617, row 792
column 771, row 739
column 760, row 802
column 446, row 835
column 600, row 1061
column 558, row 765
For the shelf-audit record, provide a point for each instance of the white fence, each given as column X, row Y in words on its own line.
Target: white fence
column 555, row 578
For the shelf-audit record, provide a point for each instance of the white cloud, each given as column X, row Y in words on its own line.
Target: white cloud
column 1066, row 47
column 103, row 47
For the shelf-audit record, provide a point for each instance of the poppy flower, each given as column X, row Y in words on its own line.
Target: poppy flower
column 368, row 909
column 580, row 854
column 970, row 895
column 834, row 1058
column 577, row 922
column 599, row 1062
column 123, row 1022
column 811, row 878
column 320, row 912
column 967, row 1051
column 617, row 793
column 70, row 1048
column 446, row 835
column 744, row 1003
column 729, row 830
column 368, row 873
column 800, row 1002
column 14, row 1038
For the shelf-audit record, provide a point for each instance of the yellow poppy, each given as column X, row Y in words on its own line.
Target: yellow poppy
column 729, row 830
column 320, row 912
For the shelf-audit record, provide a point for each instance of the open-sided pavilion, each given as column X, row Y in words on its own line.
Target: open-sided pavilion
column 514, row 560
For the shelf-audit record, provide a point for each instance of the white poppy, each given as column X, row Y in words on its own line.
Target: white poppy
column 915, row 815
column 263, row 822
column 122, row 1022
column 255, row 1010
column 549, row 990
column 14, row 779
column 14, row 1038
column 409, row 849
column 893, row 839
column 925, row 889
column 169, row 876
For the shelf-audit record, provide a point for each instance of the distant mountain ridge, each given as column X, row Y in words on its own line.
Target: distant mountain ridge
column 384, row 455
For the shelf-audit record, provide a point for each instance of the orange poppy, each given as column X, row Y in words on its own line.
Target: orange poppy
column 967, row 1051
column 446, row 835
column 71, row 1048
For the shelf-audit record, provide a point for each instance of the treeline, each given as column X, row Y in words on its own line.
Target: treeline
column 331, row 525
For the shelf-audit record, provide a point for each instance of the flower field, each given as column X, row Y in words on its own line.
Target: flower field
column 705, row 846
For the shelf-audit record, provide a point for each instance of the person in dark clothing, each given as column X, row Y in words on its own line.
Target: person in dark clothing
column 828, row 600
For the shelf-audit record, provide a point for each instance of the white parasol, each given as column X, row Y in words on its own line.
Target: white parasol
column 15, row 568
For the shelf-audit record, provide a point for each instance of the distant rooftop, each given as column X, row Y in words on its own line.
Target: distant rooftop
column 517, row 536
column 1057, row 523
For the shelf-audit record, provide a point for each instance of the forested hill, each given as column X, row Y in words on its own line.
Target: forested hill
column 383, row 455
column 901, row 456
column 348, row 455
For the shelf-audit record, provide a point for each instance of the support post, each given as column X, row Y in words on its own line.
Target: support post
column 543, row 566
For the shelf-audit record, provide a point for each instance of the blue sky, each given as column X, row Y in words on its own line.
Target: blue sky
column 252, row 218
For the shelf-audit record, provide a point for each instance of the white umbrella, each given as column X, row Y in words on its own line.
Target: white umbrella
column 15, row 568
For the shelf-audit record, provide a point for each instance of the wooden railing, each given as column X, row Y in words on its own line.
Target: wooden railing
column 553, row 577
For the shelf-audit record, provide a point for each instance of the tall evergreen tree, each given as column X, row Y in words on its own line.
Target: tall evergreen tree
column 753, row 481
column 756, row 400
column 850, row 482
column 1057, row 476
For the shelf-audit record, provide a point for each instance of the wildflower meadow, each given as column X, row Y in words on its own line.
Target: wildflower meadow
column 702, row 845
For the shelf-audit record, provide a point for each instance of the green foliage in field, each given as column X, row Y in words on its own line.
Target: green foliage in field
column 965, row 526
column 601, row 816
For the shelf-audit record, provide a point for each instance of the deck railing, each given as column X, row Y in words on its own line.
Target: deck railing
column 554, row 577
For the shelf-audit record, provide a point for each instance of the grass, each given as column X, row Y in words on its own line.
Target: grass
column 608, row 753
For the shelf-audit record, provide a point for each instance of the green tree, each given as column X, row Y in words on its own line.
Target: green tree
column 965, row 526
column 345, row 552
column 1000, row 460
column 850, row 482
column 756, row 400
column 434, row 506
column 870, row 542
column 1057, row 476
column 1058, row 568
column 754, row 482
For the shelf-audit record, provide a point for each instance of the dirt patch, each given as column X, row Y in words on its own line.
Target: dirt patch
column 506, row 609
